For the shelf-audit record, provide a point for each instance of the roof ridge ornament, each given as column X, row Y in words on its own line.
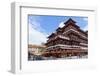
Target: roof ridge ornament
column 70, row 20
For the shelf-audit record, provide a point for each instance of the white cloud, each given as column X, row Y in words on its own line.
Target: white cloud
column 35, row 35
column 34, row 21
column 85, row 28
column 61, row 24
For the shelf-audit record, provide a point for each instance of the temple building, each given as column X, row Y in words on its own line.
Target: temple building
column 69, row 40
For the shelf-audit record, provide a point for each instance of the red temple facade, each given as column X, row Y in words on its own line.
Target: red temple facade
column 67, row 41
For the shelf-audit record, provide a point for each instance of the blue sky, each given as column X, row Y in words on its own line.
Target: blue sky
column 42, row 26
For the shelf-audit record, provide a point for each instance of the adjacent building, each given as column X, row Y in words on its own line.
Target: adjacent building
column 35, row 50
